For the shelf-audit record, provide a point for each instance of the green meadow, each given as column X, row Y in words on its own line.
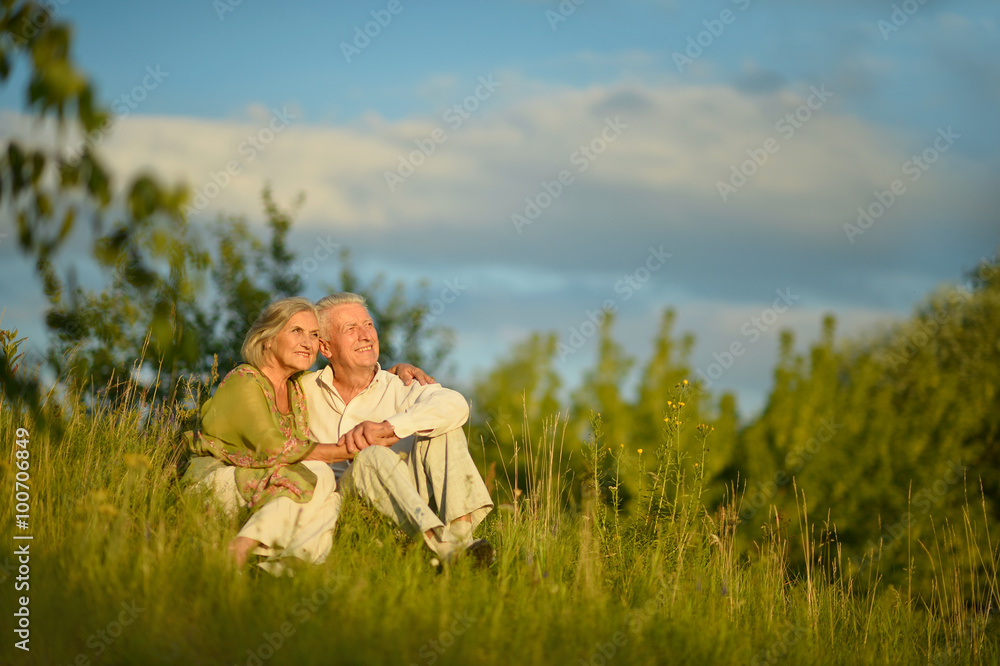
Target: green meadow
column 125, row 568
column 641, row 517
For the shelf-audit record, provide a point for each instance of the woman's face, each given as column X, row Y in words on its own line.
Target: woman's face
column 295, row 347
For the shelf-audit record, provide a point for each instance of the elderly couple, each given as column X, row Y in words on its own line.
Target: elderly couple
column 285, row 443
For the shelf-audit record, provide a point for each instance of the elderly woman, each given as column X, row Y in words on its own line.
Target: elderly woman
column 254, row 448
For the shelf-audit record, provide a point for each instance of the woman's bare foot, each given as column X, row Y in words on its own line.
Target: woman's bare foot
column 240, row 548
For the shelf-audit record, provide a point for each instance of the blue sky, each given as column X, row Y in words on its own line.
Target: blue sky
column 896, row 77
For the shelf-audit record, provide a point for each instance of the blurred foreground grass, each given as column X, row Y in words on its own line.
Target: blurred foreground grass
column 124, row 569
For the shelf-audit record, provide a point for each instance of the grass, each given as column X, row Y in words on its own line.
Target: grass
column 125, row 569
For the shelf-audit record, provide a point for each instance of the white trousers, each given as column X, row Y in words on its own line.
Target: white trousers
column 421, row 483
column 284, row 527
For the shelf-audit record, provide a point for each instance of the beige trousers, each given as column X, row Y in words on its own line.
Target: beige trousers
column 284, row 527
column 421, row 483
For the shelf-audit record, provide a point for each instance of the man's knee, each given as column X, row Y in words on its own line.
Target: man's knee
column 457, row 437
column 453, row 439
column 373, row 458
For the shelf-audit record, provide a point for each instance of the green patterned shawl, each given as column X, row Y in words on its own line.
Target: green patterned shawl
column 241, row 426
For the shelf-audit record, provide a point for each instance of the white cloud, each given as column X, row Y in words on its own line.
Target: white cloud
column 680, row 142
column 655, row 184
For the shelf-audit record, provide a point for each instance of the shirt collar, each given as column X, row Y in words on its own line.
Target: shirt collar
column 325, row 379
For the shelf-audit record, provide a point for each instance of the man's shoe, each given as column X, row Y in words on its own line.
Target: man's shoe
column 479, row 550
column 482, row 553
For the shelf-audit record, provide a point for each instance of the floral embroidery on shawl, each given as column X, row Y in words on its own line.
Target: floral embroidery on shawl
column 261, row 474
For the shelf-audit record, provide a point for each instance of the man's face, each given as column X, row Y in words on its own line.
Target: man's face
column 350, row 341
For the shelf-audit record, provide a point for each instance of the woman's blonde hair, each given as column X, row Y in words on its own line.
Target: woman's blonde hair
column 269, row 324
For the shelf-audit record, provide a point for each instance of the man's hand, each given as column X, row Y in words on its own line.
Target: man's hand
column 368, row 433
column 408, row 373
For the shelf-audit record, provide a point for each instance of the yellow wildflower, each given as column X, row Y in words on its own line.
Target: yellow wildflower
column 107, row 510
column 640, row 452
column 137, row 461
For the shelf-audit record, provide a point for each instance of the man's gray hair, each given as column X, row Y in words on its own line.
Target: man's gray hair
column 327, row 303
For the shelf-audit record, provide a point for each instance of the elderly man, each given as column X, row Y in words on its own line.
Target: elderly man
column 411, row 458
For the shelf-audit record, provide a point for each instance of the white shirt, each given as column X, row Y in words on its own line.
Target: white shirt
column 428, row 411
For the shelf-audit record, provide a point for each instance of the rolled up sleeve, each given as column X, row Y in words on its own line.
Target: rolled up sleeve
column 429, row 411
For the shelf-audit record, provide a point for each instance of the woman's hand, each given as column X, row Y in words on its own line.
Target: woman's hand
column 408, row 373
column 329, row 453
